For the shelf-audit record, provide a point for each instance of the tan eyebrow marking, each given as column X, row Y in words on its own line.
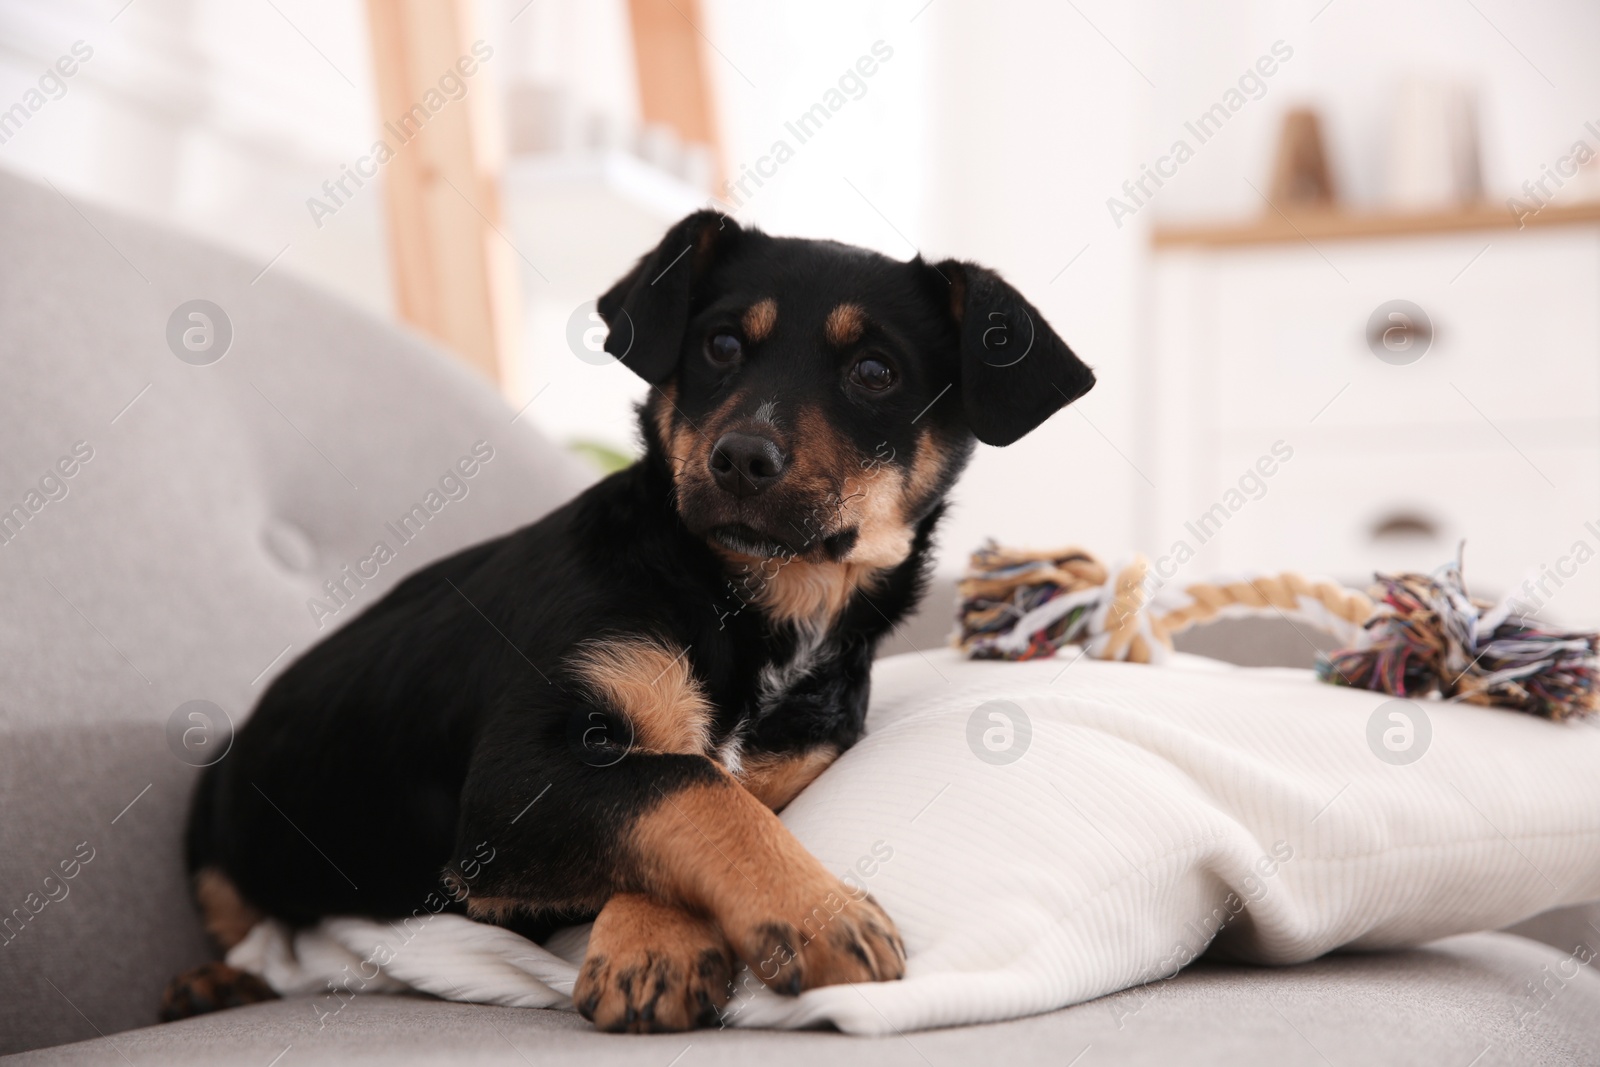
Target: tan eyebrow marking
column 845, row 324
column 760, row 319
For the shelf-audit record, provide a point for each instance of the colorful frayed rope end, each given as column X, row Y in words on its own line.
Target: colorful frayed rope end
column 1424, row 635
column 1428, row 635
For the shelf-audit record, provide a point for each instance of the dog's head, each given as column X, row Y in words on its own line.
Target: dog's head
column 816, row 400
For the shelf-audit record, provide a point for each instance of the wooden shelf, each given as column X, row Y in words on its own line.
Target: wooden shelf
column 1308, row 225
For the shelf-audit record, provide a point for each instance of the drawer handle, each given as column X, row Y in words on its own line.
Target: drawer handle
column 1399, row 333
column 1404, row 526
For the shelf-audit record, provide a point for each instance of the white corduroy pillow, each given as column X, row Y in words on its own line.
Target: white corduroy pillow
column 1052, row 831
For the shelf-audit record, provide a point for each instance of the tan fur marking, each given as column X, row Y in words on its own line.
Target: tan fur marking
column 874, row 495
column 653, row 686
column 877, row 509
column 496, row 909
column 823, row 466
column 629, row 918
column 499, row 909
column 735, row 830
column 714, row 848
column 689, row 446
column 760, row 319
column 678, row 438
column 666, row 397
column 225, row 914
column 926, row 472
column 775, row 780
column 812, row 594
column 844, row 325
column 853, row 491
column 868, row 493
column 685, row 451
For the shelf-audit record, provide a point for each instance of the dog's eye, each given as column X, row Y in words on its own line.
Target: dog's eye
column 724, row 348
column 873, row 374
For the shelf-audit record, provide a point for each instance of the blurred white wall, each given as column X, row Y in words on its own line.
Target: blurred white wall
column 1019, row 187
column 1531, row 62
column 219, row 118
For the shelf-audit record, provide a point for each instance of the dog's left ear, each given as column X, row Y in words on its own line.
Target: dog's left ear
column 1015, row 372
column 647, row 311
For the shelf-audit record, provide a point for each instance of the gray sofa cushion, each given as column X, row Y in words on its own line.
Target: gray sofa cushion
column 1460, row 1002
column 178, row 564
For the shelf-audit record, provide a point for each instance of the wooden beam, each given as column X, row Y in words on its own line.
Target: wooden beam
column 669, row 57
column 454, row 276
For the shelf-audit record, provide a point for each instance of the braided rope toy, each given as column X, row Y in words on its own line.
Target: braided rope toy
column 1424, row 635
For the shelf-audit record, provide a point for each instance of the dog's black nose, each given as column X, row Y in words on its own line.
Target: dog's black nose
column 745, row 464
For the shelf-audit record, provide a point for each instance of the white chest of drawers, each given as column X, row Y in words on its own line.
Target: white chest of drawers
column 1492, row 436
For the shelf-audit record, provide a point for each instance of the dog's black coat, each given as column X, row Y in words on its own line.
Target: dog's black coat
column 443, row 728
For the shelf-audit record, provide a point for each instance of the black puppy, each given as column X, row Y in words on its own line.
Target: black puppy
column 598, row 715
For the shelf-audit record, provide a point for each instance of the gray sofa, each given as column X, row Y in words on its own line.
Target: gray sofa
column 209, row 501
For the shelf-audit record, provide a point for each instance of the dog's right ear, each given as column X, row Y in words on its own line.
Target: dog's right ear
column 1015, row 370
column 647, row 311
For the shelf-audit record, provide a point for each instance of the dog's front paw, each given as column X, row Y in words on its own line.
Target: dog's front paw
column 841, row 938
column 652, row 967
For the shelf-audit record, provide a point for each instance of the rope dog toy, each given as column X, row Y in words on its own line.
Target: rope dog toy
column 1424, row 634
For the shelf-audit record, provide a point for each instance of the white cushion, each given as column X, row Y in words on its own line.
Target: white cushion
column 1149, row 806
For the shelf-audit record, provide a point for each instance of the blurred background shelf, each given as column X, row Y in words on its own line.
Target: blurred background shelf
column 1339, row 224
column 552, row 201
